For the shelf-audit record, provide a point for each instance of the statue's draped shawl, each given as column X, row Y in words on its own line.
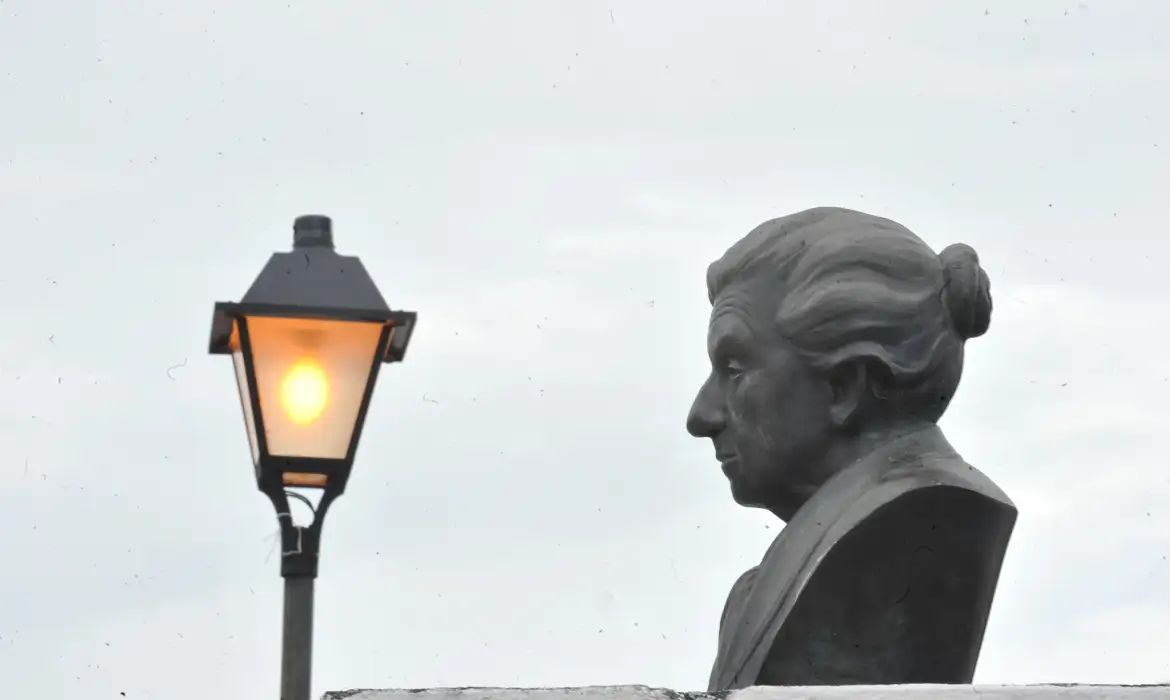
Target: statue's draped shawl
column 762, row 598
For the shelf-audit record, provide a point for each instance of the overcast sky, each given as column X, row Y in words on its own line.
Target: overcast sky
column 545, row 183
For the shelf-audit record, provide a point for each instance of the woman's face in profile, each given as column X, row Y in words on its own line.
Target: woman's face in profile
column 762, row 406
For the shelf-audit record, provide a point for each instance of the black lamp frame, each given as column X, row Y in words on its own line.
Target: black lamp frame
column 300, row 545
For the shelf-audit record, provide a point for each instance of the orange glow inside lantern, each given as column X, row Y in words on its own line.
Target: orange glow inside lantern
column 311, row 377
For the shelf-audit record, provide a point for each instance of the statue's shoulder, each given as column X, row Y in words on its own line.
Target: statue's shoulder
column 903, row 592
column 948, row 503
column 928, row 461
column 935, row 499
column 739, row 593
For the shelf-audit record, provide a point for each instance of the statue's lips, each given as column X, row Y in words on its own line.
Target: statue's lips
column 728, row 462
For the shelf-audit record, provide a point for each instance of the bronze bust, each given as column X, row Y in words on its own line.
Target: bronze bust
column 836, row 343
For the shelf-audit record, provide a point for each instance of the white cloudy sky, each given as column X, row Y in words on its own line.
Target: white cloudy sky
column 545, row 183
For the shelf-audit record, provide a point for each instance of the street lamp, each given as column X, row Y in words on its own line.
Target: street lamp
column 307, row 340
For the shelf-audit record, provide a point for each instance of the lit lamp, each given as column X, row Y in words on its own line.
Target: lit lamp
column 307, row 341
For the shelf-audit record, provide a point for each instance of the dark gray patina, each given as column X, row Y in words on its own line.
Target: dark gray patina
column 836, row 342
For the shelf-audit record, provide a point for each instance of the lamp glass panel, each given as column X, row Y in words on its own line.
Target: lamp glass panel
column 245, row 395
column 311, row 375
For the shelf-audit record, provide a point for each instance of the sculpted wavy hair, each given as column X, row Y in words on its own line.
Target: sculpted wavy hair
column 862, row 288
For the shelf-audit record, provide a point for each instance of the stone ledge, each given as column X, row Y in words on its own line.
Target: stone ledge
column 858, row 692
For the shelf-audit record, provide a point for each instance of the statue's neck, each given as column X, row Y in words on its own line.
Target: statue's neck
column 841, row 455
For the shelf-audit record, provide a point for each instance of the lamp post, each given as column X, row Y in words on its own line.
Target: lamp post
column 307, row 340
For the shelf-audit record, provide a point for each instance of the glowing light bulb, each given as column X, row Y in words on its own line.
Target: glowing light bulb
column 304, row 392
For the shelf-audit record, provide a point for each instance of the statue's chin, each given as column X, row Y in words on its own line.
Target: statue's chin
column 751, row 494
column 743, row 490
column 743, row 495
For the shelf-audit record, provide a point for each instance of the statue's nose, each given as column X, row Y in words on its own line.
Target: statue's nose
column 706, row 418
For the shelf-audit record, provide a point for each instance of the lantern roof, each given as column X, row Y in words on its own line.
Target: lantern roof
column 313, row 281
column 315, row 277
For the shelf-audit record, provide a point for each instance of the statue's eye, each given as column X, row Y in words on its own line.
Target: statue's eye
column 733, row 369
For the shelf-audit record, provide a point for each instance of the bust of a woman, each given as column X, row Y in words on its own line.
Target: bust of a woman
column 836, row 342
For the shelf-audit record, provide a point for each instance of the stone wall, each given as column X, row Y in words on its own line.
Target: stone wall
column 894, row 692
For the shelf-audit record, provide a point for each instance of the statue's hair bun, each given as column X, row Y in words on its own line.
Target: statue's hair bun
column 966, row 290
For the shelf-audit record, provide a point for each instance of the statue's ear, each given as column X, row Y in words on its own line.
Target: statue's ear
column 849, row 382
